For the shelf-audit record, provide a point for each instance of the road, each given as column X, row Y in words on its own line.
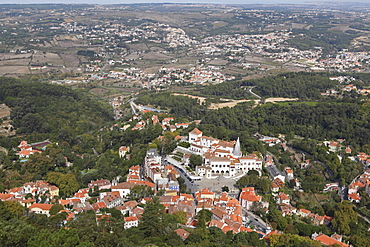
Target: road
column 257, row 222
column 188, row 181
column 250, row 91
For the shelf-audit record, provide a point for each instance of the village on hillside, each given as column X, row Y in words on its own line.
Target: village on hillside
column 232, row 210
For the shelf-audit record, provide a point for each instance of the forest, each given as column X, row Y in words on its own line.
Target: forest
column 302, row 85
column 320, row 121
column 45, row 111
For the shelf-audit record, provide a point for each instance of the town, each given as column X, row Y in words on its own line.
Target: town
column 185, row 125
column 232, row 209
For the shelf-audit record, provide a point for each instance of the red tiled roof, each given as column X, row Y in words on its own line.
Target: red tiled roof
column 182, row 233
column 196, row 131
column 326, row 240
column 5, row 197
column 42, row 206
column 131, row 218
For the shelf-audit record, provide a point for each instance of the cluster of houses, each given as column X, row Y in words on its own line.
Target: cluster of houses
column 31, row 193
column 227, row 211
column 163, row 176
column 27, row 149
column 347, row 87
column 362, row 181
column 283, row 201
column 167, row 124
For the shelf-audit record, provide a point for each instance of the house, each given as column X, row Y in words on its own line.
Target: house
column 100, row 184
column 53, row 190
column 6, row 197
column 112, row 199
column 41, row 208
column 288, row 173
column 131, row 221
column 28, row 149
column 16, row 191
column 274, row 173
column 354, row 197
column 333, row 146
column 316, row 219
column 123, row 188
column 248, row 197
column 194, row 135
column 204, row 193
column 287, row 209
column 182, row 125
column 182, row 233
column 274, row 187
column 305, row 164
column 219, row 214
column 282, row 198
column 122, row 151
column 303, row 212
column 331, row 187
column 328, row 241
column 98, row 205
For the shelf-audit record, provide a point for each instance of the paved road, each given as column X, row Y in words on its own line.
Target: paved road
column 257, row 222
column 250, row 91
column 188, row 181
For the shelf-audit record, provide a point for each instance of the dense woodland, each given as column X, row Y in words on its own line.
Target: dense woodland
column 48, row 111
column 300, row 85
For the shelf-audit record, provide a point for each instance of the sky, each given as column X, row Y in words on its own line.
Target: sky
column 175, row 1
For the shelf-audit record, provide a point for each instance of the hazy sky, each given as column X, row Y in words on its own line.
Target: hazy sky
column 175, row 1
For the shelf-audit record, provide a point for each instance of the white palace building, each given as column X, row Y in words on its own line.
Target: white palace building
column 221, row 157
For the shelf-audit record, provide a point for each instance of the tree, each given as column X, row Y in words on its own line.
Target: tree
column 55, row 209
column 343, row 217
column 292, row 240
column 277, row 217
column 14, row 208
column 203, row 216
column 140, row 191
column 247, row 239
column 67, row 183
column 61, row 237
column 181, row 217
column 182, row 184
column 151, row 222
column 195, row 160
column 225, row 188
column 15, row 233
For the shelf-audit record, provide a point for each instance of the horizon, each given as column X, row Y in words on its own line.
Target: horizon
column 222, row 2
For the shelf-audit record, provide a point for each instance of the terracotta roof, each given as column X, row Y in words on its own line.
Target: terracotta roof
column 131, row 218
column 304, row 211
column 131, row 204
column 182, row 233
column 225, row 229
column 196, row 131
column 98, row 205
column 326, row 240
column 70, row 215
column 152, row 185
column 122, row 186
column 5, row 197
column 218, row 212
column 354, row 196
column 16, row 190
column 42, row 206
column 216, row 223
